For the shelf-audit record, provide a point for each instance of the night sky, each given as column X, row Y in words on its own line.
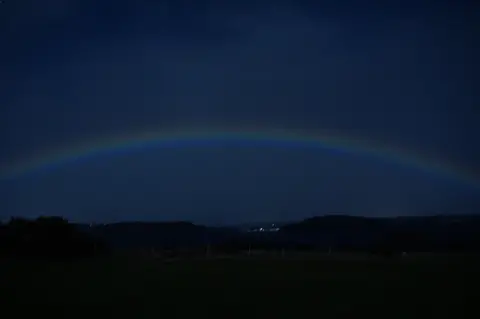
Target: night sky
column 404, row 75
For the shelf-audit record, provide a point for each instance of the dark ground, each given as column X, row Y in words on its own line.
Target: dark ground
column 322, row 287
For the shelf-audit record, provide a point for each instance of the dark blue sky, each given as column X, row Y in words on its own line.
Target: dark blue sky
column 403, row 74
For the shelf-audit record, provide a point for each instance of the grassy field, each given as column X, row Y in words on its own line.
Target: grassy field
column 412, row 287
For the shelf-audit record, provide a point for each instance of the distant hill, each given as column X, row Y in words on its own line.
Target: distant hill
column 158, row 235
column 414, row 233
column 338, row 232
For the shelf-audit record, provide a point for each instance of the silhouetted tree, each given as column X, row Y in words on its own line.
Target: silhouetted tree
column 46, row 237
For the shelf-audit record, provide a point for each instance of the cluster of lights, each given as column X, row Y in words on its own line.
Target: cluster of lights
column 273, row 228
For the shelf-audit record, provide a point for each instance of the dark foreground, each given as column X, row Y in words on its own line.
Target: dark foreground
column 322, row 287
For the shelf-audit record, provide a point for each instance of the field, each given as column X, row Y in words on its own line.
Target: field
column 322, row 287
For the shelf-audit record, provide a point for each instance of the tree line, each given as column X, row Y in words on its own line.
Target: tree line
column 55, row 237
column 46, row 237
